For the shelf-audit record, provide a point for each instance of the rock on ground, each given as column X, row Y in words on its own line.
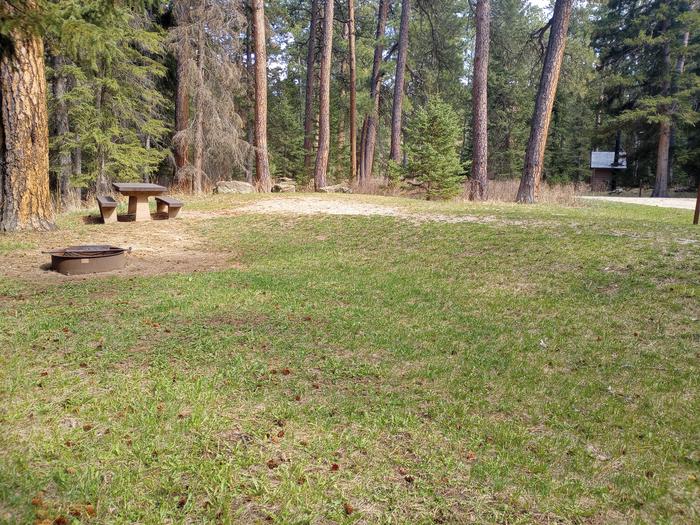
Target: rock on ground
column 337, row 188
column 234, row 186
column 285, row 185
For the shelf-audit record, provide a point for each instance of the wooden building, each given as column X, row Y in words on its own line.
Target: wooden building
column 603, row 168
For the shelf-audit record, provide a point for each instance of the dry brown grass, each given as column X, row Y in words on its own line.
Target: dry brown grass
column 498, row 191
column 506, row 190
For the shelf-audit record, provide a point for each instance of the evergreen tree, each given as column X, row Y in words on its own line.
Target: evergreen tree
column 433, row 158
column 641, row 46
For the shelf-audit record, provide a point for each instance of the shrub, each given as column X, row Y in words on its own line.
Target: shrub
column 433, row 159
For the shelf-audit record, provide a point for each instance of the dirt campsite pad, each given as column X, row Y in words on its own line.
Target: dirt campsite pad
column 158, row 247
column 320, row 206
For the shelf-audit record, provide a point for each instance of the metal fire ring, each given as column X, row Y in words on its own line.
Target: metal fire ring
column 77, row 260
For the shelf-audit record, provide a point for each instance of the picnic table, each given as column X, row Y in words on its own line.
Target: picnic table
column 138, row 194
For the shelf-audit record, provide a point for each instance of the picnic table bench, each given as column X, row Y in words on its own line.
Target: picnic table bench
column 168, row 204
column 108, row 209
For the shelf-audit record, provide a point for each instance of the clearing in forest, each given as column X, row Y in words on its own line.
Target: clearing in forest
column 507, row 364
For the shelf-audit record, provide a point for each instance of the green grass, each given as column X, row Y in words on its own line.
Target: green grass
column 367, row 370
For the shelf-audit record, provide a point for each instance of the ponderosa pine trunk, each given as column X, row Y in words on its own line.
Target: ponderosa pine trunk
column 397, row 109
column 664, row 143
column 62, row 131
column 353, row 90
column 368, row 136
column 250, row 84
column 102, row 186
column 324, row 131
column 25, row 199
column 309, row 95
column 262, row 164
column 546, row 93
column 198, row 174
column 680, row 69
column 479, row 176
column 182, row 111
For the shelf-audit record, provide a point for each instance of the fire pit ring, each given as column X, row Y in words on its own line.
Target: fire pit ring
column 77, row 260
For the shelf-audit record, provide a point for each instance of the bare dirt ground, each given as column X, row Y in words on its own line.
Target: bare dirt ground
column 680, row 203
column 308, row 205
column 158, row 247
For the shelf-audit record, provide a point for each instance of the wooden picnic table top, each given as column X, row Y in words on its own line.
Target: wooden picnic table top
column 139, row 187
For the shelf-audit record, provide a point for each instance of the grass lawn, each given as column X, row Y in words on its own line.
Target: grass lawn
column 535, row 365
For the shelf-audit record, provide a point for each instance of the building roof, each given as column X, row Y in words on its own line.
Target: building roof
column 605, row 159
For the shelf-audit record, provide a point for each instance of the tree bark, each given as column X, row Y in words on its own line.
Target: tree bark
column 197, row 176
column 25, row 199
column 182, row 112
column 664, row 144
column 102, row 186
column 309, row 100
column 353, row 90
column 262, row 164
column 323, row 151
column 250, row 84
column 397, row 110
column 62, row 130
column 368, row 137
column 534, row 156
column 680, row 69
column 479, row 178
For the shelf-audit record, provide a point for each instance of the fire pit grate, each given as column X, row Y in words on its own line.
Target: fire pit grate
column 77, row 260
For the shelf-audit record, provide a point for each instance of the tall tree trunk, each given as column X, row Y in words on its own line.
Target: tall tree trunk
column 680, row 69
column 397, row 110
column 324, row 131
column 102, row 186
column 368, row 137
column 309, row 100
column 479, row 178
column 25, row 198
column 664, row 144
column 534, row 156
column 662, row 150
column 353, row 90
column 182, row 111
column 262, row 165
column 197, row 176
column 77, row 161
column 250, row 84
column 62, row 130
column 342, row 114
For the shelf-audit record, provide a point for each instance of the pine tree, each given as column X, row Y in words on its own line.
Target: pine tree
column 25, row 201
column 432, row 149
column 546, row 94
column 323, row 152
column 641, row 45
column 262, row 164
column 479, row 178
column 206, row 38
column 399, row 82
